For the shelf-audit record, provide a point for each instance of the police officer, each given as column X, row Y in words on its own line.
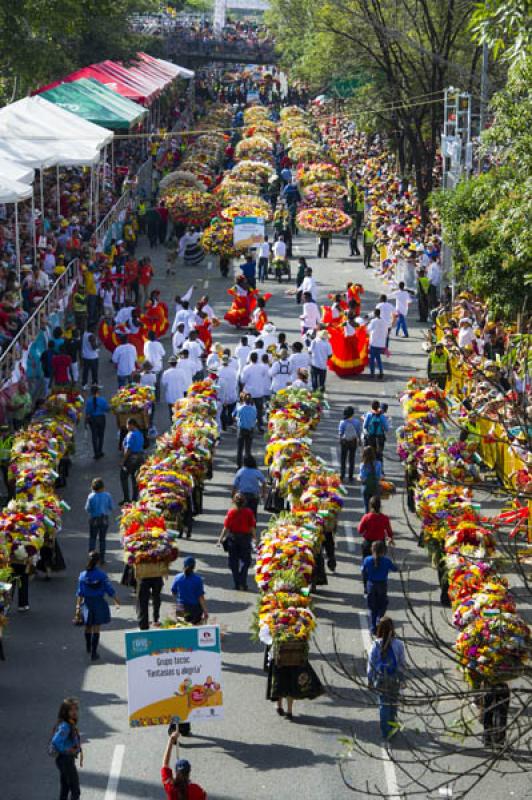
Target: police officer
column 438, row 367
column 423, row 285
column 368, row 240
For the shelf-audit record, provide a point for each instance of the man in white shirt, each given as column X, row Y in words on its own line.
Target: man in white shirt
column 227, row 391
column 402, row 300
column 309, row 285
column 187, row 366
column 378, row 336
column 279, row 249
column 298, row 360
column 154, row 352
column 49, row 261
column 253, row 379
column 434, row 276
column 124, row 358
column 178, row 339
column 280, row 373
column 195, row 348
column 242, row 352
column 310, row 318
column 387, row 311
column 89, row 356
column 179, row 301
column 174, row 383
column 320, row 351
column 263, row 259
column 186, row 316
column 268, row 335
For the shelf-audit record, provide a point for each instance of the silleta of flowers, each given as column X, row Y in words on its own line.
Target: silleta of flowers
column 248, row 207
column 325, row 193
column 218, row 238
column 324, row 220
column 317, row 173
column 493, row 641
column 133, row 398
column 191, row 207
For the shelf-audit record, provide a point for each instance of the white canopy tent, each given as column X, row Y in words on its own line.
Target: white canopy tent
column 182, row 72
column 12, row 191
column 11, row 171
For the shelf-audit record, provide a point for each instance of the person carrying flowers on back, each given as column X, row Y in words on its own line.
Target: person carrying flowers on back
column 386, row 667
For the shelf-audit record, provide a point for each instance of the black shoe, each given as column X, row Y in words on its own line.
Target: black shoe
column 95, row 657
column 281, row 712
column 289, row 716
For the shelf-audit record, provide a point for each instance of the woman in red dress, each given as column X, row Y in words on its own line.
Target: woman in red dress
column 349, row 342
column 243, row 305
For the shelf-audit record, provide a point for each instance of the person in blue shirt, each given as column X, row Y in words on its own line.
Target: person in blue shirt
column 96, row 408
column 246, row 419
column 189, row 593
column 133, row 450
column 249, row 270
column 375, row 570
column 98, row 506
column 369, row 475
column 66, row 745
column 250, row 482
column 93, row 585
column 350, row 432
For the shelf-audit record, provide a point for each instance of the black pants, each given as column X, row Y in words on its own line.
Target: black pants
column 495, row 716
column 348, row 451
column 22, row 582
column 66, row 764
column 252, row 501
column 152, row 235
column 129, row 471
column 239, row 556
column 90, row 365
column 97, row 426
column 423, row 305
column 259, row 405
column 368, row 250
column 227, row 415
column 243, row 445
column 146, row 588
column 318, row 377
column 98, row 531
column 377, row 442
column 163, row 227
column 323, row 246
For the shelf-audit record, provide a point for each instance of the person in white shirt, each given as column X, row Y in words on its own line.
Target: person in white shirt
column 195, row 348
column 310, row 318
column 263, row 259
column 268, row 335
column 301, row 381
column 242, row 352
column 203, row 305
column 154, row 352
column 123, row 315
column 279, row 249
column 466, row 334
column 174, row 383
column 124, row 358
column 434, row 276
column 320, row 351
column 178, row 339
column 378, row 336
column 253, row 379
column 266, row 360
column 298, row 360
column 89, row 357
column 227, row 391
column 308, row 285
column 180, row 300
column 49, row 261
column 387, row 313
column 186, row 315
column 403, row 298
column 187, row 366
column 280, row 373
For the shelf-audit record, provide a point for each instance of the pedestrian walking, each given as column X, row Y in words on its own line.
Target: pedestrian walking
column 349, row 431
column 177, row 786
column 246, row 420
column 255, row 377
column 133, row 456
column 98, row 506
column 385, row 672
column 237, row 536
column 124, row 358
column 189, row 593
column 65, row 746
column 91, row 606
column 154, row 352
column 263, row 259
column 296, row 682
column 423, row 287
column 403, row 298
column 89, row 357
column 375, row 428
column 96, row 409
column 174, row 383
column 324, row 241
column 495, row 708
column 320, row 351
column 369, row 474
column 149, row 589
column 250, row 482
column 280, row 372
column 374, row 527
column 375, row 571
column 228, row 389
column 378, row 342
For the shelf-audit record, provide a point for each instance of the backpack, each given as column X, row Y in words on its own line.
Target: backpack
column 386, row 677
column 371, row 484
column 375, row 426
column 350, row 431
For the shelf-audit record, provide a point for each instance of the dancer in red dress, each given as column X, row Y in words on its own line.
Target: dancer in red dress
column 349, row 342
column 243, row 305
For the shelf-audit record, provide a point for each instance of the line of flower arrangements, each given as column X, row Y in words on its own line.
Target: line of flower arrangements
column 181, row 461
column 493, row 641
column 33, row 518
column 289, row 547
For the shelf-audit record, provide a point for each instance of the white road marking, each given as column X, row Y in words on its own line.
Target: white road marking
column 350, row 537
column 209, row 265
column 334, row 457
column 205, row 284
column 114, row 773
column 388, row 765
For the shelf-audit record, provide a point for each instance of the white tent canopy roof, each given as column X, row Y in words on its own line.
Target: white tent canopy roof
column 14, row 191
column 183, row 72
column 39, row 134
column 11, row 171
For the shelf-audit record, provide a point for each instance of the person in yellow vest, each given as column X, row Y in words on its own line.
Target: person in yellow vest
column 141, row 216
column 130, row 237
column 79, row 307
column 423, row 288
column 358, row 218
column 438, row 366
column 368, row 240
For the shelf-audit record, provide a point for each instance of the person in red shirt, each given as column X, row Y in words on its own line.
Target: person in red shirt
column 131, row 274
column 178, row 786
column 374, row 527
column 237, row 535
column 61, row 368
column 163, row 221
column 146, row 274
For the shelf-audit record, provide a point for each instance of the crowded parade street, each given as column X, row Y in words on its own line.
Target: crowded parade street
column 265, row 402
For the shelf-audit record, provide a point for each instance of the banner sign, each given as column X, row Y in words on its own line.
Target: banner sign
column 247, row 232
column 174, row 675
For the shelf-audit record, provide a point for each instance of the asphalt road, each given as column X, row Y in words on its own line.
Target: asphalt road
column 252, row 754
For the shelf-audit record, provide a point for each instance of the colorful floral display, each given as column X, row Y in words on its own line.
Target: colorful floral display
column 218, row 238
column 191, row 207
column 324, row 220
column 248, row 207
column 133, row 398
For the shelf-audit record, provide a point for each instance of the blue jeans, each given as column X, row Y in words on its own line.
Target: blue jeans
column 377, row 602
column 401, row 325
column 375, row 354
column 387, row 714
column 123, row 380
column 98, row 531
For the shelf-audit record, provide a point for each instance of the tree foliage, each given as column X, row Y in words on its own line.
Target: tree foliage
column 40, row 40
column 487, row 218
column 505, row 27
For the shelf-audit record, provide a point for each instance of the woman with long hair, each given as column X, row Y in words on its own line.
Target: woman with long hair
column 65, row 746
column 177, row 784
column 369, row 475
column 93, row 585
column 386, row 667
column 375, row 570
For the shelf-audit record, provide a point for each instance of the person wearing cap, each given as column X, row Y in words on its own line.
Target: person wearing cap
column 466, row 334
column 178, row 786
column 438, row 366
column 174, row 383
column 189, row 593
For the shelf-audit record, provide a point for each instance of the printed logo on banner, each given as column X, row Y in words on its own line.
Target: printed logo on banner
column 140, row 645
column 206, row 637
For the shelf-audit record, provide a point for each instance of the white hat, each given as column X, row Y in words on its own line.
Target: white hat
column 270, row 327
column 465, row 319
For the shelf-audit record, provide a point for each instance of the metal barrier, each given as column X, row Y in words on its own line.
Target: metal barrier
column 113, row 216
column 55, row 300
column 144, row 179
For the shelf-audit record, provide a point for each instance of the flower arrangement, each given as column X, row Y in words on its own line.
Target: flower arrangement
column 254, row 147
column 248, row 207
column 303, row 150
column 184, row 179
column 284, row 546
column 324, row 193
column 231, row 188
column 191, row 207
column 132, row 398
column 324, row 220
column 253, row 114
column 287, row 615
column 253, row 171
column 317, row 173
column 150, row 541
column 218, row 238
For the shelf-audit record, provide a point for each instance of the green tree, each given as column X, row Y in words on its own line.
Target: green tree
column 504, row 26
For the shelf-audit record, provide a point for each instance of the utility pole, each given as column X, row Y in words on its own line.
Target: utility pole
column 484, row 88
